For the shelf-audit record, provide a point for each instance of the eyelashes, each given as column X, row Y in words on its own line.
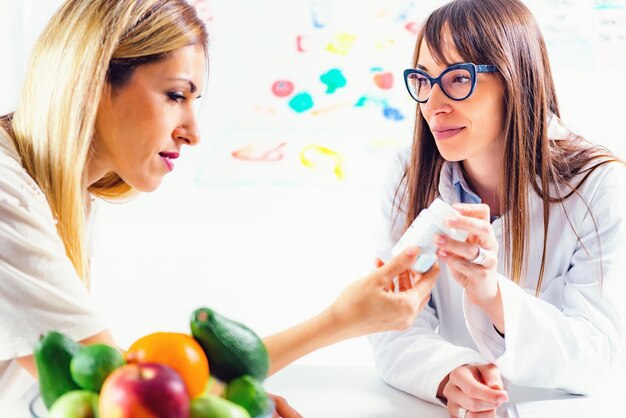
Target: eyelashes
column 176, row 97
column 179, row 97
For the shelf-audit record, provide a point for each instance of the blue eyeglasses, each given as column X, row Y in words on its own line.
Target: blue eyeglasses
column 457, row 81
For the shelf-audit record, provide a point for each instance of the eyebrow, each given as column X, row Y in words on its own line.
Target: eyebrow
column 192, row 86
column 421, row 67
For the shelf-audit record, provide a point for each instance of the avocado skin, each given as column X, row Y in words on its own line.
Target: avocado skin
column 53, row 354
column 232, row 349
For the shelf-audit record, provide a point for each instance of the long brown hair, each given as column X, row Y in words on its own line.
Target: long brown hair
column 504, row 33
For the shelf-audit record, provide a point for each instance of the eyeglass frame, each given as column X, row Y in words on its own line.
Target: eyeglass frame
column 473, row 69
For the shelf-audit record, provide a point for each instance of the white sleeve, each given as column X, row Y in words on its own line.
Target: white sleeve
column 575, row 346
column 39, row 288
column 418, row 359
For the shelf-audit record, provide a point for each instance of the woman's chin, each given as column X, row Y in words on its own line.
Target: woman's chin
column 146, row 185
column 452, row 155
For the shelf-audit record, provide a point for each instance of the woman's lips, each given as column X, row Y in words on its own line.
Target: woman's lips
column 446, row 133
column 168, row 158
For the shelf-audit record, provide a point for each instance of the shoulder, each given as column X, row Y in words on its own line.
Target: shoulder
column 607, row 180
column 402, row 157
column 394, row 182
column 396, row 168
column 392, row 197
column 601, row 196
column 23, row 205
column 17, row 187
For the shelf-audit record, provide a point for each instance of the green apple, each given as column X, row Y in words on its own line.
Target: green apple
column 210, row 406
column 75, row 404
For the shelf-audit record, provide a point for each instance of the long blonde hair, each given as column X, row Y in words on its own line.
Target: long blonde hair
column 86, row 44
column 504, row 33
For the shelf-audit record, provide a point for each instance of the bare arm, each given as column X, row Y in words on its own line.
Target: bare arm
column 287, row 346
column 366, row 306
column 104, row 337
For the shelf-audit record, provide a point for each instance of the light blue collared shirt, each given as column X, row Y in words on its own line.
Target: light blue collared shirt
column 463, row 191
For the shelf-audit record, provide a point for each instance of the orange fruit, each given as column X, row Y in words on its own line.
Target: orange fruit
column 181, row 352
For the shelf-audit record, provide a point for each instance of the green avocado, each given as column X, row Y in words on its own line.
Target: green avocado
column 53, row 354
column 232, row 348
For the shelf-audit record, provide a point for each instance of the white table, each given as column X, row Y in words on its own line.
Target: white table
column 358, row 392
column 351, row 392
column 346, row 392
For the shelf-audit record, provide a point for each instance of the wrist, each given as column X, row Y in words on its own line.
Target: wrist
column 486, row 296
column 342, row 320
column 493, row 308
column 333, row 325
column 442, row 386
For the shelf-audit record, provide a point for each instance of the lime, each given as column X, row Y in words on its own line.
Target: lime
column 93, row 363
column 249, row 393
column 210, row 406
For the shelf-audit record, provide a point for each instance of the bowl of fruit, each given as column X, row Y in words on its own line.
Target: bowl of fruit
column 215, row 371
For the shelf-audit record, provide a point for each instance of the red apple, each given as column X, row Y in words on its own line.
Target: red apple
column 144, row 390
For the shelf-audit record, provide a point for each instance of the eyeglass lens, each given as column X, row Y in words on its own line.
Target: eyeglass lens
column 457, row 84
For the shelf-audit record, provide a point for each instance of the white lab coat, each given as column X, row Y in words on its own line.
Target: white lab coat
column 569, row 338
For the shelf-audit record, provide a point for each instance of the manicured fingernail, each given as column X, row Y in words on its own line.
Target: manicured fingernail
column 411, row 251
column 440, row 240
column 443, row 254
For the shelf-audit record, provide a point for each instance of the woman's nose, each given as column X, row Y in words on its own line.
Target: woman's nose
column 437, row 102
column 188, row 133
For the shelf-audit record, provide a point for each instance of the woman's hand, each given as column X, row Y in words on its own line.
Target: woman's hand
column 366, row 306
column 475, row 388
column 283, row 409
column 370, row 305
column 479, row 280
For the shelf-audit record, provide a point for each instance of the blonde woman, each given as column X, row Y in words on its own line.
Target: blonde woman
column 536, row 294
column 105, row 112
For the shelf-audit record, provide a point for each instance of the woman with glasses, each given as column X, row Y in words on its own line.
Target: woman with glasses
column 535, row 294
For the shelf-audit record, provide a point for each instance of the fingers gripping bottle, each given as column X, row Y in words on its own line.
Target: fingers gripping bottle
column 429, row 222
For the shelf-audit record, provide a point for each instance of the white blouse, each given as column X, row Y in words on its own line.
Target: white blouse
column 39, row 287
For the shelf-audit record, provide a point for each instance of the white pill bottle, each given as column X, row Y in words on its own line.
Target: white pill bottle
column 421, row 233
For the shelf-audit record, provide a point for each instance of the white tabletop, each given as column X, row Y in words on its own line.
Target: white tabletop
column 345, row 392
column 351, row 392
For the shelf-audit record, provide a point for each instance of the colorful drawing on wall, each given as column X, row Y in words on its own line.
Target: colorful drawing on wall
column 260, row 152
column 388, row 111
column 341, row 43
column 314, row 156
column 333, row 79
column 301, row 102
column 282, row 88
column 384, row 80
column 322, row 104
column 320, row 13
